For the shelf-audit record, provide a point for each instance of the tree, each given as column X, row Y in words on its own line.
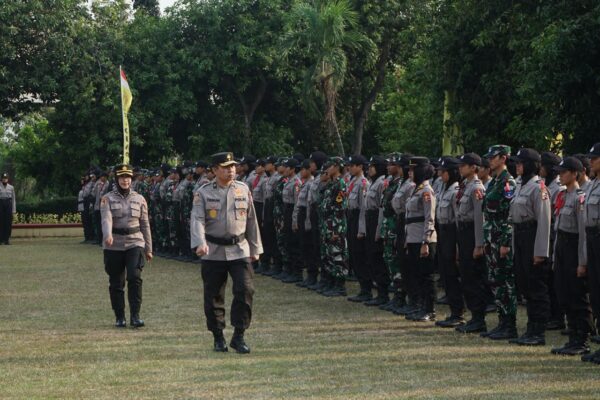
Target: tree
column 328, row 30
column 151, row 7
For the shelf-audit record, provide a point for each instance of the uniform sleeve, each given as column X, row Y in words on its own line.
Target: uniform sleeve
column 541, row 201
column 428, row 214
column 295, row 212
column 363, row 207
column 197, row 221
column 478, row 215
column 505, row 227
column 252, row 232
column 14, row 202
column 106, row 218
column 145, row 226
column 581, row 248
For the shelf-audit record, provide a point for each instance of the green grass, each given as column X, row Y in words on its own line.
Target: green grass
column 57, row 342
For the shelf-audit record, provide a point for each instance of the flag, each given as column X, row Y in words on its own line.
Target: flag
column 126, row 99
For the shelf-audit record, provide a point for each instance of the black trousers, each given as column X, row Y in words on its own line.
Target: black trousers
column 447, row 239
column 571, row 290
column 6, row 217
column 214, row 276
column 87, row 223
column 422, row 269
column 315, row 235
column 593, row 274
column 379, row 272
column 531, row 279
column 472, row 271
column 98, row 225
column 269, row 239
column 121, row 266
column 307, row 259
column 356, row 251
column 292, row 242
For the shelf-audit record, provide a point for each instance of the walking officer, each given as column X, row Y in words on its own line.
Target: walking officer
column 530, row 216
column 127, row 243
column 225, row 235
column 8, row 207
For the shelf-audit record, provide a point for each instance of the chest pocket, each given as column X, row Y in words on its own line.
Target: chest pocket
column 241, row 209
column 212, row 209
column 593, row 200
column 135, row 210
column 568, row 219
column 353, row 195
column 413, row 206
column 116, row 209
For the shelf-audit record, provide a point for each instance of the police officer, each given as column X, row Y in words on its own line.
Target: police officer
column 471, row 263
column 291, row 189
column 271, row 259
column 592, row 235
column 127, row 242
column 372, row 226
column 8, row 207
column 530, row 216
column 301, row 225
column 570, row 259
column 98, row 192
column 421, row 238
column 357, row 191
column 225, row 235
column 445, row 215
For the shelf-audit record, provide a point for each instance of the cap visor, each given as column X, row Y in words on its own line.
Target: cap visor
column 228, row 163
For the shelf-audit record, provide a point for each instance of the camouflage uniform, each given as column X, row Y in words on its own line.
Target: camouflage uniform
column 333, row 228
column 171, row 214
column 498, row 232
column 278, row 218
column 187, row 202
column 389, row 232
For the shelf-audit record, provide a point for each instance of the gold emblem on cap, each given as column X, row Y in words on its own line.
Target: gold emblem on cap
column 228, row 156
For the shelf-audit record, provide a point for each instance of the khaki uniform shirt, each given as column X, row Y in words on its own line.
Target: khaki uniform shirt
column 122, row 212
column 470, row 207
column 8, row 192
column 225, row 212
column 421, row 204
column 570, row 218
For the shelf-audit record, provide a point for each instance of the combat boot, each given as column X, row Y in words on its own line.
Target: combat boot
column 382, row 298
column 136, row 322
column 536, row 337
column 474, row 325
column 338, row 289
column 238, row 343
column 327, row 285
column 498, row 328
column 509, row 331
column 389, row 306
column 576, row 346
column 591, row 357
column 220, row 344
column 451, row 321
column 309, row 281
column 120, row 319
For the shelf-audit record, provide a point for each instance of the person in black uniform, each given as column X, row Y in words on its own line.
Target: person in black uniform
column 8, row 207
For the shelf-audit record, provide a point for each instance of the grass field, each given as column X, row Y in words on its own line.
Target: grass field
column 57, row 342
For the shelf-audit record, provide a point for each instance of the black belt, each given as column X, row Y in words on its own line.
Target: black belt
column 224, row 241
column 126, row 231
column 414, row 220
column 525, row 226
column 567, row 235
column 593, row 230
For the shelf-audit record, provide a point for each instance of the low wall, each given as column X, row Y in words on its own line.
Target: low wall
column 47, row 230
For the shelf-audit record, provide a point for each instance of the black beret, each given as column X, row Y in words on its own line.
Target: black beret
column 418, row 161
column 449, row 163
column 377, row 160
column 549, row 158
column 357, row 160
column 569, row 164
column 470, row 159
column 526, row 154
column 594, row 151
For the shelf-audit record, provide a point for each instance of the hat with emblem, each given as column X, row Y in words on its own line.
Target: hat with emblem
column 201, row 164
column 594, row 151
column 448, row 163
column 248, row 159
column 498, row 150
column 418, row 161
column 224, row 159
column 124, row 170
column 549, row 158
column 305, row 164
column 585, row 161
column 569, row 164
column 357, row 160
column 527, row 154
column 5, row 175
column 339, row 161
column 405, row 160
column 291, row 163
column 377, row 160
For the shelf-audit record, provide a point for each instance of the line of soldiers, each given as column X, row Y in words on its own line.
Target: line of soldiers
column 393, row 222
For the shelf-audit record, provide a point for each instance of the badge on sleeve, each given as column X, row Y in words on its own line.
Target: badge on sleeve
column 509, row 191
column 427, row 197
column 103, row 202
column 339, row 198
column 197, row 199
column 478, row 194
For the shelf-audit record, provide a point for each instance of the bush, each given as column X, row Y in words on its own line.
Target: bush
column 69, row 218
column 58, row 206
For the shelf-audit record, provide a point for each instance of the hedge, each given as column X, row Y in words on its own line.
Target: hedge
column 59, row 206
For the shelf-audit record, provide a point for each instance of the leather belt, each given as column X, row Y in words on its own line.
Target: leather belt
column 125, row 231
column 226, row 241
column 414, row 220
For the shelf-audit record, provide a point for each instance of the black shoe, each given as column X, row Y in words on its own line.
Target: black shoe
column 473, row 326
column 121, row 323
column 595, row 339
column 220, row 344
column 361, row 297
column 424, row 317
column 377, row 301
column 292, row 279
column 388, row 306
column 555, row 325
column 407, row 309
column 136, row 322
column 535, row 335
column 490, row 308
column 572, row 349
column 442, row 300
column 591, row 357
column 336, row 291
column 239, row 345
column 451, row 322
column 509, row 331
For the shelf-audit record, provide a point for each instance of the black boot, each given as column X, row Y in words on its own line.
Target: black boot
column 120, row 319
column 536, row 337
column 326, row 284
column 237, row 342
column 452, row 321
column 136, row 322
column 365, row 294
column 523, row 336
column 498, row 328
column 338, row 289
column 382, row 298
column 310, row 280
column 474, row 325
column 393, row 303
column 509, row 331
column 220, row 344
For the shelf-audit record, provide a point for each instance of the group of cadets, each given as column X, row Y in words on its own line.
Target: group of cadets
column 498, row 230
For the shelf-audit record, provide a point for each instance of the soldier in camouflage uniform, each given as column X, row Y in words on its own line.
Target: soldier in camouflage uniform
column 164, row 225
column 389, row 230
column 498, row 243
column 317, row 159
column 155, row 213
column 172, row 213
column 334, row 227
column 187, row 200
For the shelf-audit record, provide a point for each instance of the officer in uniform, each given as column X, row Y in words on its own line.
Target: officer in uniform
column 291, row 189
column 99, row 191
column 225, row 235
column 498, row 243
column 301, row 225
column 372, row 227
column 317, row 159
column 127, row 242
column 357, row 191
column 471, row 263
column 592, row 237
column 570, row 259
column 421, row 237
column 445, row 215
column 8, row 207
column 530, row 216
column 271, row 259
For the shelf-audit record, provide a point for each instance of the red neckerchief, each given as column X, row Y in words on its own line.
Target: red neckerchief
column 255, row 182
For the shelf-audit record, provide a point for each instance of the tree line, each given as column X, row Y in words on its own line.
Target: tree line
column 272, row 77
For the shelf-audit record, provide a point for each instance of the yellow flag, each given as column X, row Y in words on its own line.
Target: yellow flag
column 126, row 99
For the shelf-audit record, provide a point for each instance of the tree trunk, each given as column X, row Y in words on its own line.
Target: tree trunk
column 452, row 138
column 360, row 116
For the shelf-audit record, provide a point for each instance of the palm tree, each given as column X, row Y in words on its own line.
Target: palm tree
column 325, row 30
